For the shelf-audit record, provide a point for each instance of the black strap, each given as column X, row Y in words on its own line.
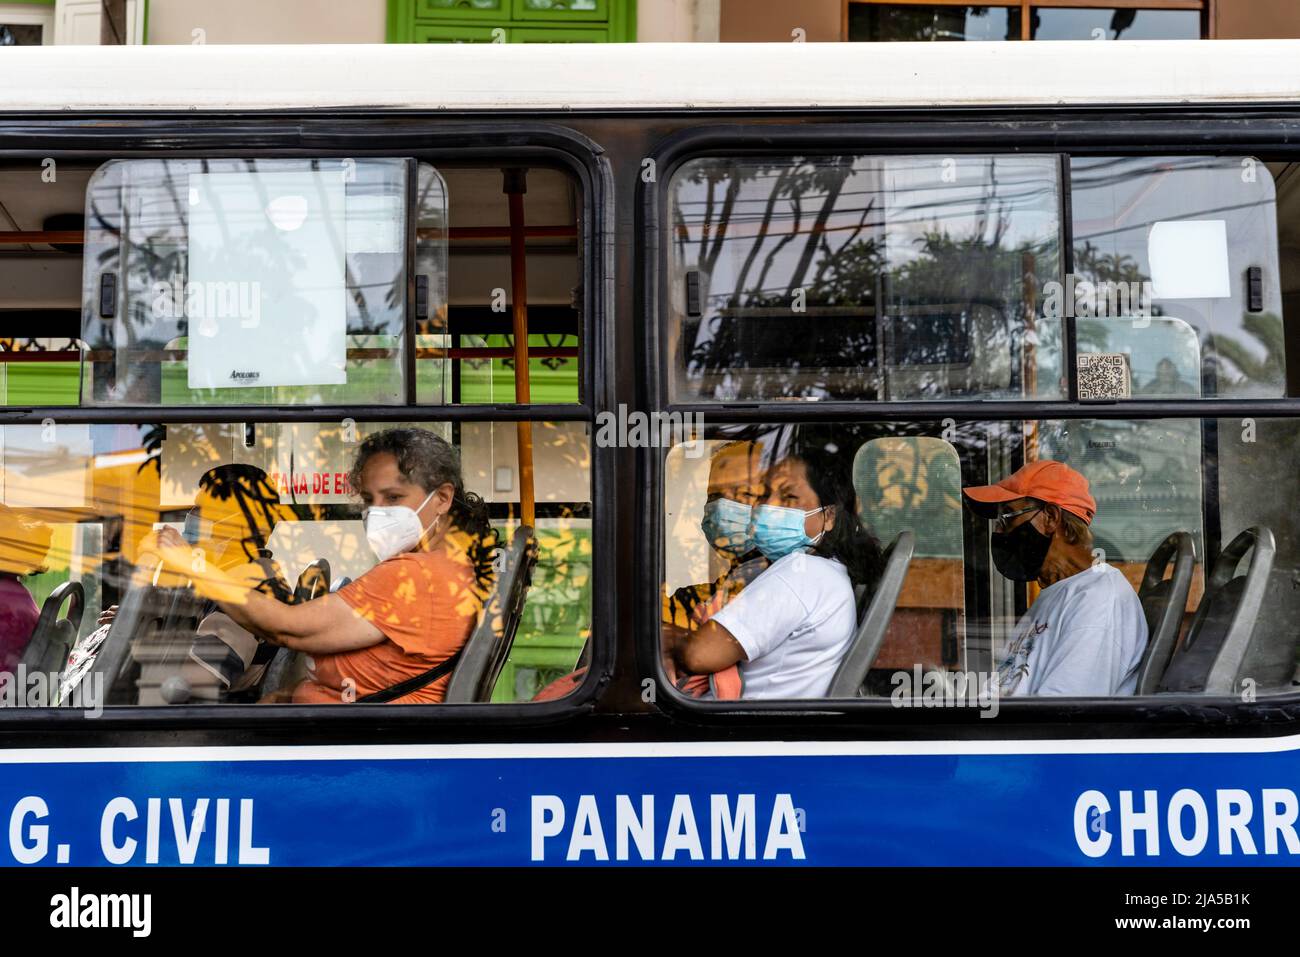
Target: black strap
column 403, row 688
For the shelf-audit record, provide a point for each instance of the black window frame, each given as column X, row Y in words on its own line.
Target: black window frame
column 1267, row 131
column 423, row 137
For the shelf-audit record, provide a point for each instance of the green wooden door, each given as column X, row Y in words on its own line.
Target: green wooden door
column 517, row 21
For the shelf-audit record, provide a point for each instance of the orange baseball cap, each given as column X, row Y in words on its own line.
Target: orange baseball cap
column 1045, row 480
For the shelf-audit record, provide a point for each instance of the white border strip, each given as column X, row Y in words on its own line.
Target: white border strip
column 665, row 749
column 670, row 76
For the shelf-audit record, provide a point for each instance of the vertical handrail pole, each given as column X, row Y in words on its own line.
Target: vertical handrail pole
column 516, row 184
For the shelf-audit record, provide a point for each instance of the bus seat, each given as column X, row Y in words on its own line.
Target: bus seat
column 870, row 633
column 489, row 644
column 153, row 626
column 53, row 637
column 1223, row 627
column 1163, row 603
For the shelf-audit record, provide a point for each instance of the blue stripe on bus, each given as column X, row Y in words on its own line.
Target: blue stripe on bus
column 891, row 809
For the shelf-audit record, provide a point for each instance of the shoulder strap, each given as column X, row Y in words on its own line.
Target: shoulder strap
column 403, row 688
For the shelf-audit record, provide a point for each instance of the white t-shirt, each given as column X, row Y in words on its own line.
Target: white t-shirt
column 795, row 622
column 1084, row 636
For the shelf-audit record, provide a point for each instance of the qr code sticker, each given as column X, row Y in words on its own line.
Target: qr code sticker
column 1104, row 375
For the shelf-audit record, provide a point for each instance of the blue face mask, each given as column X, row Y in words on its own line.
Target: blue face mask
column 195, row 530
column 778, row 531
column 726, row 526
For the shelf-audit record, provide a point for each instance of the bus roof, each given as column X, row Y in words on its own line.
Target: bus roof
column 648, row 76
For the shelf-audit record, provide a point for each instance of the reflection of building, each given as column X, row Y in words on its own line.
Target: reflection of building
column 1145, row 476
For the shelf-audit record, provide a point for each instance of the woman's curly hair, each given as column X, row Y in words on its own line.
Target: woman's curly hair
column 426, row 459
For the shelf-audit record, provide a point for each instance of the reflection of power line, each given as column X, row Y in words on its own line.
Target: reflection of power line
column 968, row 196
column 1189, row 213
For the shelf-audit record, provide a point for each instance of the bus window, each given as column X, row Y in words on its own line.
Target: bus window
column 245, row 281
column 1029, row 559
column 1188, row 246
column 477, row 324
column 221, row 534
column 138, row 554
column 905, row 278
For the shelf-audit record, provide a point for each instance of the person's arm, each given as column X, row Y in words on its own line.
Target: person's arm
column 707, row 650
column 325, row 625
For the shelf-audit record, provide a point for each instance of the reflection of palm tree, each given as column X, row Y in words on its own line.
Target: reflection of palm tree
column 1248, row 368
column 1091, row 265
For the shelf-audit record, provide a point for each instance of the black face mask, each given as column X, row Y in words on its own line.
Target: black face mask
column 1019, row 554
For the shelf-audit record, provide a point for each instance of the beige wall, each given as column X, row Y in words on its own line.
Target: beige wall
column 363, row 21
column 268, row 21
column 1257, row 19
column 775, row 20
column 677, row 21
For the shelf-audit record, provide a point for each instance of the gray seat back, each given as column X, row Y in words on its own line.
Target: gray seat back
column 151, row 622
column 1164, row 602
column 1223, row 627
column 489, row 644
column 53, row 637
column 870, row 633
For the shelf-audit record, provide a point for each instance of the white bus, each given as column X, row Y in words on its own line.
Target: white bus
column 849, row 280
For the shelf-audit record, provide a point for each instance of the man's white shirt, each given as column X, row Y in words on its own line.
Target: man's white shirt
column 1084, row 636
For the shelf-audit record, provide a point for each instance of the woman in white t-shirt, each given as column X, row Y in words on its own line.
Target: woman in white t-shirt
column 789, row 629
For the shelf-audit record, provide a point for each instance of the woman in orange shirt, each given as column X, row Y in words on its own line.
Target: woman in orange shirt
column 399, row 626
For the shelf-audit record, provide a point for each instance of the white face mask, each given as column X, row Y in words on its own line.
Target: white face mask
column 393, row 529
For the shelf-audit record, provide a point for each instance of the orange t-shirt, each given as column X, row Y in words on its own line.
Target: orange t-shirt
column 425, row 603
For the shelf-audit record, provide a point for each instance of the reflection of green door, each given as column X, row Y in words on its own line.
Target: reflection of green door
column 39, row 383
column 550, row 380
column 511, row 21
column 556, row 619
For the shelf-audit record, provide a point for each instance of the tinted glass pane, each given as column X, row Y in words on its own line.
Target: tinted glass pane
column 478, row 325
column 768, row 538
column 863, row 278
column 1114, row 24
column 272, row 512
column 246, row 281
column 873, row 22
column 1173, row 241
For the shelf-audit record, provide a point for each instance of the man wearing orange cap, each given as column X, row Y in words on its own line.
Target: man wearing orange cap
column 1085, row 633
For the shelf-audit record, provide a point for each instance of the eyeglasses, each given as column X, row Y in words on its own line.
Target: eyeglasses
column 1004, row 518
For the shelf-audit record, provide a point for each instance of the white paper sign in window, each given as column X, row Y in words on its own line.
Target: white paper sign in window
column 1189, row 259
column 266, row 303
